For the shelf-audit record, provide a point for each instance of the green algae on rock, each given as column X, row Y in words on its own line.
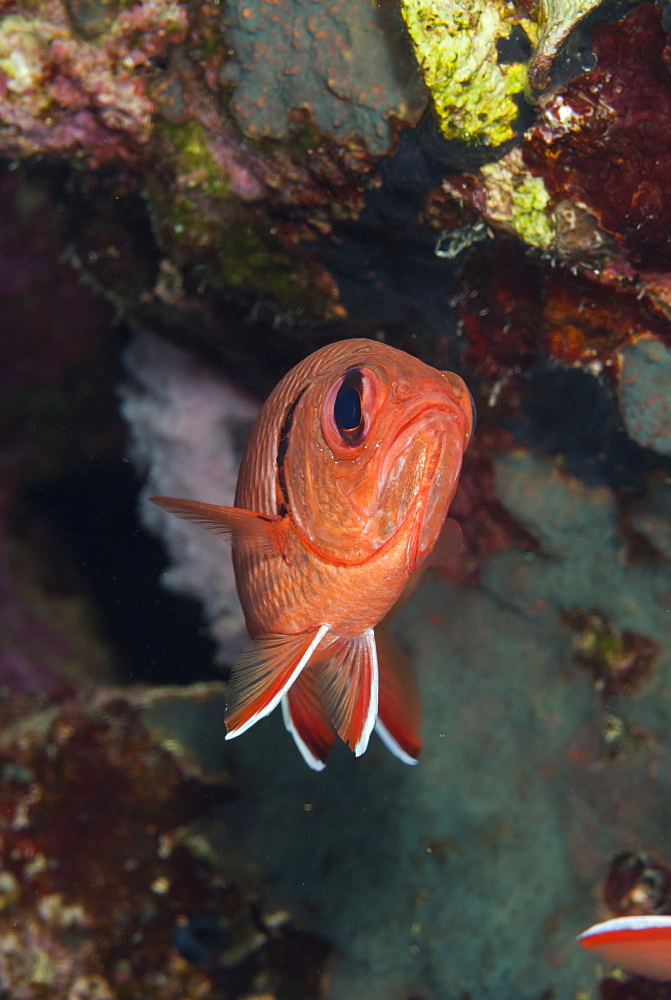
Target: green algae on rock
column 456, row 42
column 480, row 59
column 517, row 201
column 209, row 203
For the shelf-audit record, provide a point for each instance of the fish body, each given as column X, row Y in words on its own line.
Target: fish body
column 343, row 493
column 640, row 944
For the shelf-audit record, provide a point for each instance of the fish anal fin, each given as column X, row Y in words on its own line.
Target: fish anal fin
column 263, row 673
column 306, row 720
column 346, row 681
column 244, row 528
column 400, row 712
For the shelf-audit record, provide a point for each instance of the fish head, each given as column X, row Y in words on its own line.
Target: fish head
column 375, row 449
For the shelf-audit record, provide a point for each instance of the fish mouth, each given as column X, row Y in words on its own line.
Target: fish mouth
column 426, row 430
column 414, row 467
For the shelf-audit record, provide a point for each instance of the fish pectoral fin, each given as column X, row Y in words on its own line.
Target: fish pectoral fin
column 245, row 528
column 347, row 685
column 263, row 673
column 306, row 719
column 400, row 712
column 448, row 545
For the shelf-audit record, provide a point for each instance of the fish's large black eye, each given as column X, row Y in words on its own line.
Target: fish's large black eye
column 347, row 410
column 347, row 405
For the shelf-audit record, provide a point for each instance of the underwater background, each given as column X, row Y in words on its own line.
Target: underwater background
column 194, row 195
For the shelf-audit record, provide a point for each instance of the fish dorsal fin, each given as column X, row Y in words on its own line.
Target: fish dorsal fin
column 307, row 721
column 447, row 545
column 244, row 528
column 399, row 712
column 263, row 673
column 347, row 684
column 640, row 944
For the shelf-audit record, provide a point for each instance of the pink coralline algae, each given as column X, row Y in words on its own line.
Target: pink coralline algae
column 62, row 93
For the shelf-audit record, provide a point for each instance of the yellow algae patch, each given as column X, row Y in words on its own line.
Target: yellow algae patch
column 455, row 43
column 518, row 201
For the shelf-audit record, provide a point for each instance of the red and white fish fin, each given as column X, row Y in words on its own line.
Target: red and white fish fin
column 263, row 673
column 448, row 545
column 400, row 712
column 639, row 944
column 244, row 527
column 306, row 720
column 347, row 684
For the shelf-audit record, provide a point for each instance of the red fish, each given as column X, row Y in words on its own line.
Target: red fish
column 640, row 944
column 342, row 495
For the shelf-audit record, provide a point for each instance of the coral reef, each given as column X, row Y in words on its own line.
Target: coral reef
column 236, row 186
column 637, row 884
column 645, row 394
column 514, row 313
column 62, row 92
column 581, row 555
column 108, row 919
column 161, row 91
column 618, row 662
column 648, row 515
column 603, row 141
column 341, row 62
column 50, row 636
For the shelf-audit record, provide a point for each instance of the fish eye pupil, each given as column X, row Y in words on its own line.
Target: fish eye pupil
column 347, row 409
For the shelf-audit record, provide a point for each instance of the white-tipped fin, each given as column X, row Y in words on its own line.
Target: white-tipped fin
column 392, row 745
column 348, row 686
column 310, row 759
column 640, row 944
column 263, row 673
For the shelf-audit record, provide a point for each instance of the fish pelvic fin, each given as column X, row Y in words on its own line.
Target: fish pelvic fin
column 400, row 712
column 306, row 719
column 243, row 528
column 263, row 673
column 347, row 685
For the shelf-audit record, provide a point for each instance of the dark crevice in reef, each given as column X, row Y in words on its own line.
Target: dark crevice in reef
column 157, row 637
